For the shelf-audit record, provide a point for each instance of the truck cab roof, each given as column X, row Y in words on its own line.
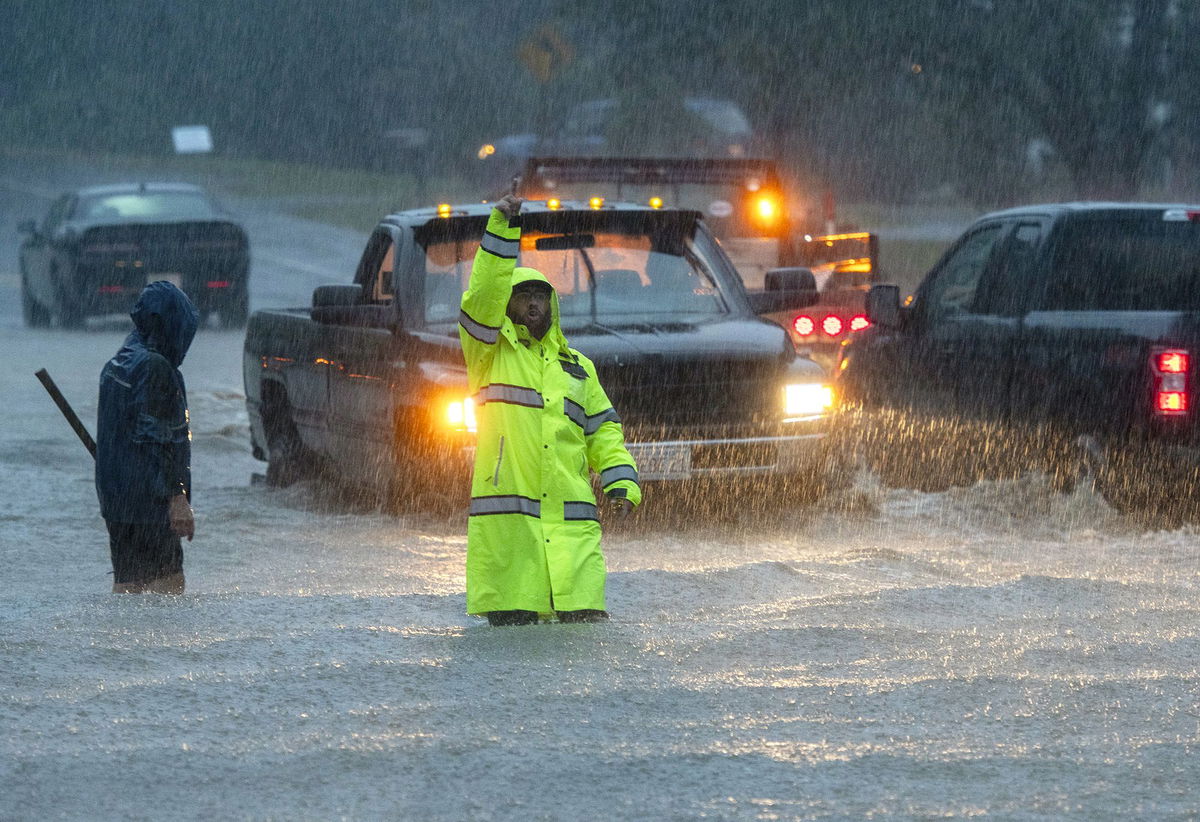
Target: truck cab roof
column 1097, row 207
column 420, row 216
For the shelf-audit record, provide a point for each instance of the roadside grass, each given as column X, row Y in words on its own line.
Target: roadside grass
column 906, row 262
column 356, row 199
column 884, row 215
column 912, row 237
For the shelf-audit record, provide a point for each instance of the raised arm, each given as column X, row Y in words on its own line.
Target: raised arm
column 486, row 298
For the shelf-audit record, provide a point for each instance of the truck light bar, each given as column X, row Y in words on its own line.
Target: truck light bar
column 647, row 171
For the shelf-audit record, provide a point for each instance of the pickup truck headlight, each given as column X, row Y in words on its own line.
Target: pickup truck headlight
column 806, row 399
column 460, row 414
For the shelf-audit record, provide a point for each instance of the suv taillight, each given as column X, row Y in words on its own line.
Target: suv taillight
column 1170, row 368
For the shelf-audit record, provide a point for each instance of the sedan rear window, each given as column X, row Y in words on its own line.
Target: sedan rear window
column 184, row 205
column 1128, row 264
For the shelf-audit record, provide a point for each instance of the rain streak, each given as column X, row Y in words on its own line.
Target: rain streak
column 898, row 310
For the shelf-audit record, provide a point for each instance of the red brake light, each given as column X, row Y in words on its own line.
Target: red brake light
column 1172, row 402
column 1170, row 368
column 859, row 322
column 1173, row 362
column 217, row 284
column 804, row 325
column 832, row 325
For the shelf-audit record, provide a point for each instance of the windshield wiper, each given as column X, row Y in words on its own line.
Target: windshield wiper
column 591, row 270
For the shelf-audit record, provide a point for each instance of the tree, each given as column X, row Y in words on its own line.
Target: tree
column 1086, row 75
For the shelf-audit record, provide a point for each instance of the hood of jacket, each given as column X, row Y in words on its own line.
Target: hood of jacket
column 554, row 335
column 166, row 320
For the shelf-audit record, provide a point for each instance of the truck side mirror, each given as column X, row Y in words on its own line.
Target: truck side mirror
column 336, row 296
column 883, row 305
column 784, row 289
column 343, row 305
column 790, row 279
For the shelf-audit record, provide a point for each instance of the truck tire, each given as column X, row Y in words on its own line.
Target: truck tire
column 233, row 314
column 70, row 312
column 288, row 460
column 36, row 316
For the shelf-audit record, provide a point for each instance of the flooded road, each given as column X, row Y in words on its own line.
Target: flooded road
column 999, row 650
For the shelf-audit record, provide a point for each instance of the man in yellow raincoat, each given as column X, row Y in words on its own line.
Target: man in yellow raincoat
column 543, row 422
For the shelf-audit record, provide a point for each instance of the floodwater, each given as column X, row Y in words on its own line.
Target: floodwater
column 1000, row 650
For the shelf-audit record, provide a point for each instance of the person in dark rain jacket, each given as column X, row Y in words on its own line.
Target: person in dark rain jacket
column 143, row 445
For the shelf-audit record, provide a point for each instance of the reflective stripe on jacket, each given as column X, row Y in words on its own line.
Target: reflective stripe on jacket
column 544, row 422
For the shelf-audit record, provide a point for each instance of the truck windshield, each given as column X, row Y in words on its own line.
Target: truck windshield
column 605, row 276
column 1133, row 264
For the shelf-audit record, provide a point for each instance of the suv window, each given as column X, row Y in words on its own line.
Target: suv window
column 1126, row 264
column 56, row 214
column 183, row 205
column 952, row 291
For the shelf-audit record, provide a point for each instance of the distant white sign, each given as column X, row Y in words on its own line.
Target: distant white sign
column 720, row 208
column 192, row 139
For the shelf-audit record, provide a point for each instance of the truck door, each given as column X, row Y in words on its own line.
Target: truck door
column 957, row 342
column 991, row 327
column 361, row 371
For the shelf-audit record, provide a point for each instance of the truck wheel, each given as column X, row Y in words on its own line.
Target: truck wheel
column 288, row 460
column 35, row 315
column 70, row 312
column 71, row 315
column 234, row 313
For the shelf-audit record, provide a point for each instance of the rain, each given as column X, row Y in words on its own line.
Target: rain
column 960, row 615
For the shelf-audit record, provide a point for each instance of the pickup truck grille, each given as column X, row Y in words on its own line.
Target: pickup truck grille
column 695, row 398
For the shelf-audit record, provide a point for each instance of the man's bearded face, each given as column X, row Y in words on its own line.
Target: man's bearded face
column 529, row 306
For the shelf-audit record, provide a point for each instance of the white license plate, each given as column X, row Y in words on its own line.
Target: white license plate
column 174, row 279
column 662, row 462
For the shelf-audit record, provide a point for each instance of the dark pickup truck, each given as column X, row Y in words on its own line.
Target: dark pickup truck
column 1046, row 337
column 371, row 383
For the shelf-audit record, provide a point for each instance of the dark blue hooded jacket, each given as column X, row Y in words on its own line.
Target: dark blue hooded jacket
column 143, row 443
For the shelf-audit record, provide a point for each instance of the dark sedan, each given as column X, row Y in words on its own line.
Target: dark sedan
column 97, row 248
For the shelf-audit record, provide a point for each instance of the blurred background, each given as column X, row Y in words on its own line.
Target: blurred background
column 902, row 111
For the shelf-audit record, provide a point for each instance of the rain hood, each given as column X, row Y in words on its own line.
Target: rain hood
column 172, row 333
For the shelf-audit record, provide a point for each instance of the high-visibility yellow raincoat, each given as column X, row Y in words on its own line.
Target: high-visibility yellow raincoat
column 543, row 420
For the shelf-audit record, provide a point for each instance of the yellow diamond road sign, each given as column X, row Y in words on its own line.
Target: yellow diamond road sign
column 544, row 52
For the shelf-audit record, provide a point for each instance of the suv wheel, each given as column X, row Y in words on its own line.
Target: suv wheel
column 233, row 314
column 36, row 316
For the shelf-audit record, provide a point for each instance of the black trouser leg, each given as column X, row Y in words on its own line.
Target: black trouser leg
column 583, row 615
column 512, row 617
